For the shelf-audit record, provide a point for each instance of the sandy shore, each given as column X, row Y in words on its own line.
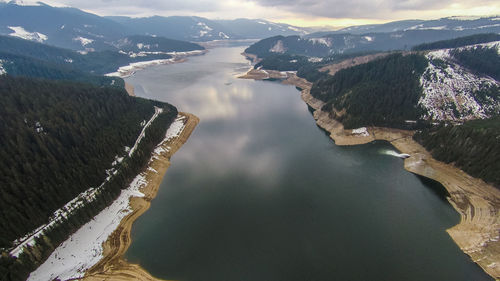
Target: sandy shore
column 477, row 202
column 113, row 266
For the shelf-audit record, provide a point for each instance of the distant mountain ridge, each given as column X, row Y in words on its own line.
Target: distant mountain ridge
column 78, row 30
column 200, row 29
column 402, row 36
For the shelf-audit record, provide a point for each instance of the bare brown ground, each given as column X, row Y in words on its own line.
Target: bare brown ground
column 130, row 89
column 333, row 68
column 477, row 202
column 113, row 266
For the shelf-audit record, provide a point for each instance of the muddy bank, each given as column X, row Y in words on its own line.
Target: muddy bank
column 130, row 89
column 477, row 202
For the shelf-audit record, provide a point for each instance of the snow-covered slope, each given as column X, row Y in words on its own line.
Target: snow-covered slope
column 450, row 90
column 19, row 31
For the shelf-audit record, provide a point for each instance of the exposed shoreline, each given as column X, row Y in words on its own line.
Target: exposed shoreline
column 477, row 202
column 177, row 57
column 113, row 266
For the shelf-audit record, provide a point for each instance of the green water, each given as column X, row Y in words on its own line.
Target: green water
column 259, row 192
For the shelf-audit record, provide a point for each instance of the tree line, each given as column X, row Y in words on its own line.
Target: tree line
column 58, row 139
column 473, row 146
column 383, row 92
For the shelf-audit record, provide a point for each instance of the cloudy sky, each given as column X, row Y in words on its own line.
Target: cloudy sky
column 297, row 12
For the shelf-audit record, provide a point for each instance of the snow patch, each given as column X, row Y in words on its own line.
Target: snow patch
column 448, row 90
column 143, row 132
column 464, row 18
column 223, row 35
column 368, row 38
column 84, row 41
column 22, row 3
column 314, row 59
column 83, row 249
column 2, row 70
column 323, row 41
column 360, row 132
column 278, row 48
column 19, row 31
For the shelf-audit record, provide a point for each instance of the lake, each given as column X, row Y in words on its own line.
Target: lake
column 259, row 192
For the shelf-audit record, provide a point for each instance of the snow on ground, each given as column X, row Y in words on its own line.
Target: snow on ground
column 361, row 132
column 368, row 38
column 143, row 132
column 58, row 216
column 223, row 35
column 89, row 195
column 448, row 90
column 130, row 69
column 314, row 59
column 278, row 47
column 323, row 41
column 84, row 41
column 19, row 31
column 83, row 249
column 22, row 2
column 2, row 70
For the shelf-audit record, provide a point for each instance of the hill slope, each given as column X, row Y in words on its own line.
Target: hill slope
column 60, row 140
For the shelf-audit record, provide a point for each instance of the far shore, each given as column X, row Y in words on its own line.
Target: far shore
column 177, row 57
column 113, row 266
column 477, row 202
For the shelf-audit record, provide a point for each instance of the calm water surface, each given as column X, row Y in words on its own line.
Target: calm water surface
column 259, row 192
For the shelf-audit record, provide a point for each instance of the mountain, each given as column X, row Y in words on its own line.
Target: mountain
column 74, row 29
column 451, row 85
column 175, row 27
column 59, row 26
column 258, row 28
column 374, row 38
column 202, row 29
column 99, row 62
column 477, row 24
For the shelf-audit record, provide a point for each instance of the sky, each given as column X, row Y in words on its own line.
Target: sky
column 334, row 13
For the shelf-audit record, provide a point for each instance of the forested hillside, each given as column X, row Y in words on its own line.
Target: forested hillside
column 60, row 139
column 92, row 62
column 482, row 60
column 145, row 43
column 473, row 147
column 459, row 42
column 16, row 65
column 383, row 92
